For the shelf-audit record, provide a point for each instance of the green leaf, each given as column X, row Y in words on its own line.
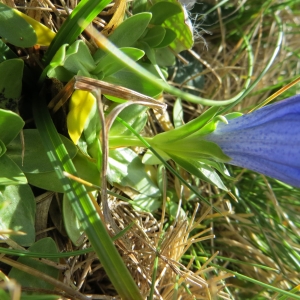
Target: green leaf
column 233, row 115
column 46, row 245
column 86, row 168
column 134, row 82
column 5, row 52
column 28, row 76
column 150, row 52
column 220, row 167
column 187, row 129
column 43, row 33
column 194, row 148
column 163, row 10
column 172, row 209
column 144, row 203
column 108, row 65
column 19, row 212
column 10, row 90
column 56, row 68
column 200, row 170
column 150, row 159
column 10, row 125
column 5, row 295
column 47, row 181
column 35, row 157
column 169, row 37
column 164, row 57
column 181, row 25
column 60, row 73
column 127, row 33
column 69, row 60
column 178, row 113
column 72, row 225
column 139, row 6
column 14, row 29
column 2, row 148
column 135, row 116
column 154, row 36
column 10, row 173
column 78, row 57
column 126, row 169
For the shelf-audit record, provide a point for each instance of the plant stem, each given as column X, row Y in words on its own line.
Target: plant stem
column 126, row 141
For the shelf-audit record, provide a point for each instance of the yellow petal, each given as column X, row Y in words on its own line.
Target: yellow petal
column 43, row 33
column 81, row 104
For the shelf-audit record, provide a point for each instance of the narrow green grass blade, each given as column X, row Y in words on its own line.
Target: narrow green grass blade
column 293, row 291
column 264, row 285
column 83, row 206
column 203, row 258
column 44, row 255
column 154, row 274
column 61, row 254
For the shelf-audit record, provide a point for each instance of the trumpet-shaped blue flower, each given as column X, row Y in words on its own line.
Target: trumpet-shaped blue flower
column 266, row 141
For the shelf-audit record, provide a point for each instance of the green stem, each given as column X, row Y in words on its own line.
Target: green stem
column 126, row 141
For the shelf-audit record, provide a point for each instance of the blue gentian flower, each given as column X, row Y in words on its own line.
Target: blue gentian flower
column 266, row 141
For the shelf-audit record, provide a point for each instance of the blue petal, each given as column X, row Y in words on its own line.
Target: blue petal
column 287, row 174
column 266, row 141
column 263, row 115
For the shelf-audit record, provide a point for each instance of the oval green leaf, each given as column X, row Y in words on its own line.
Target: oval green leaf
column 127, row 33
column 135, row 116
column 169, row 37
column 14, row 29
column 108, row 65
column 154, row 36
column 19, row 212
column 49, row 181
column 10, row 173
column 200, row 170
column 10, row 89
column 35, row 158
column 180, row 24
column 126, row 169
column 134, row 82
column 46, row 245
column 71, row 222
column 163, row 10
column 5, row 52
